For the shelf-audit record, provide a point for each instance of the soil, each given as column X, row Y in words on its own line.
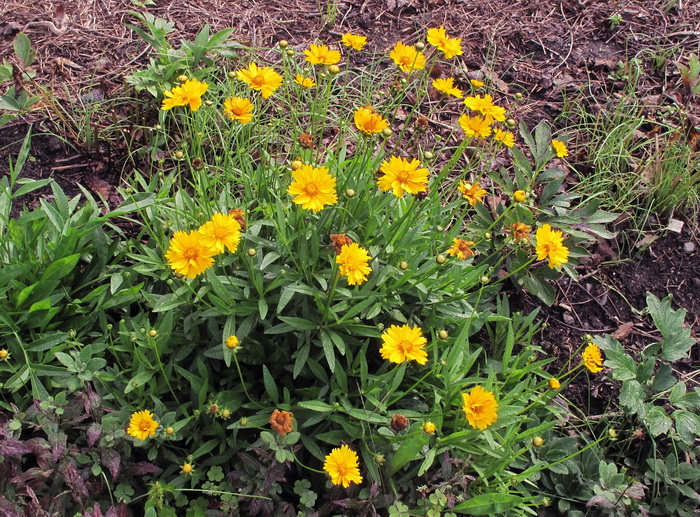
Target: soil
column 552, row 53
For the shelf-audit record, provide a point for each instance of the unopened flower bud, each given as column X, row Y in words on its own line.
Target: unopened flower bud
column 283, row 43
column 252, row 252
column 443, row 334
column 403, row 265
column 511, row 123
column 243, row 421
column 290, row 52
column 170, row 430
column 538, row 441
column 518, row 96
column 179, row 155
column 182, row 78
column 428, row 156
column 334, row 69
column 153, row 332
column 379, row 459
column 612, row 434
column 488, row 236
column 441, row 259
column 231, row 74
column 296, row 165
column 429, row 428
column 484, row 279
column 519, row 196
column 387, row 132
column 420, row 46
column 350, row 193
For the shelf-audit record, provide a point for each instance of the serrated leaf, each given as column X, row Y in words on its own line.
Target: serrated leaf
column 632, row 396
column 623, row 367
column 676, row 340
column 687, row 425
column 657, row 421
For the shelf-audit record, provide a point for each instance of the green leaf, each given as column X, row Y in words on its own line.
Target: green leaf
column 687, row 425
column 316, row 405
column 657, row 421
column 489, row 504
column 299, row 323
column 623, row 366
column 676, row 340
column 664, row 379
column 23, row 48
column 270, row 385
column 632, row 396
column 409, row 450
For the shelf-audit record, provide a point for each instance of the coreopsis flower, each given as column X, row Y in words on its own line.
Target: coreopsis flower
column 343, row 466
column 338, row 240
column 461, row 249
column 450, row 47
column 142, row 425
column 447, row 87
column 306, row 82
column 263, row 79
column 560, row 148
column 480, row 407
column 188, row 255
column 232, row 342
column 592, row 358
column 486, row 107
column 282, row 421
column 367, row 121
column 507, row 138
column 520, row 231
column 313, row 188
column 549, row 246
column 353, row 260
column 401, row 175
column 222, row 231
column 186, row 468
column 471, row 192
column 239, row 108
column 519, row 196
column 353, row 41
column 407, row 58
column 322, row 55
column 405, row 343
column 475, row 126
column 476, row 83
column 187, row 94
column 429, row 428
column 554, row 383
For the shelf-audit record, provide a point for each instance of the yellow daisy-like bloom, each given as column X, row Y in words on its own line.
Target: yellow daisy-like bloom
column 401, row 175
column 263, row 79
column 480, row 407
column 353, row 41
column 472, row 193
column 429, row 428
column 306, row 82
column 142, row 425
column 549, row 246
column 451, row 47
column 188, row 255
column 447, row 87
column 405, row 343
column 232, row 342
column 461, row 249
column 560, row 148
column 322, row 55
column 313, row 187
column 343, row 466
column 353, row 261
column 505, row 137
column 554, row 383
column 592, row 358
column 476, row 83
column 222, row 231
column 367, row 121
column 239, row 108
column 187, row 468
column 475, row 126
column 486, row 107
column 187, row 94
column 407, row 58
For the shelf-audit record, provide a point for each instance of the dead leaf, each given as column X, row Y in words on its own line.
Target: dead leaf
column 623, row 331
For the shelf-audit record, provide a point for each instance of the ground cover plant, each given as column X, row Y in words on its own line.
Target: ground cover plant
column 307, row 316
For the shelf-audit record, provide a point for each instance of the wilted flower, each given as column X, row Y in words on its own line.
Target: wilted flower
column 549, row 246
column 306, row 140
column 281, row 421
column 367, row 121
column 554, row 383
column 223, row 231
column 322, row 55
column 450, row 47
column 475, row 126
column 263, row 79
column 188, row 94
column 354, row 40
column 405, row 343
column 476, row 83
column 188, row 255
column 520, row 231
column 239, row 108
column 560, row 148
column 447, row 87
column 338, row 240
column 142, row 425
column 407, row 58
column 306, row 82
column 399, row 422
column 343, row 466
column 401, row 175
column 592, row 358
column 471, row 192
column 480, row 407
column 313, row 188
column 461, row 249
column 239, row 214
column 353, row 261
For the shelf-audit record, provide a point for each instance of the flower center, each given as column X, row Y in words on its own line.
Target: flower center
column 191, row 253
column 342, row 470
column 405, row 345
column 220, row 232
column 259, row 80
column 403, row 177
column 311, row 189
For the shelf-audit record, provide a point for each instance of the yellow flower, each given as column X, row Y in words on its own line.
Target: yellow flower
column 519, row 196
column 232, row 342
column 306, row 82
column 190, row 93
column 343, row 465
column 313, row 187
column 449, row 46
column 353, row 260
column 505, row 137
column 223, row 231
column 447, row 87
column 264, row 79
column 461, row 249
column 4, row 354
column 480, row 407
column 549, row 246
column 429, row 428
column 472, row 193
column 476, row 83
column 354, row 40
column 239, row 108
column 592, row 358
column 407, row 58
column 188, row 255
column 400, row 175
column 367, row 121
column 554, row 383
column 475, row 126
column 560, row 148
column 187, row 468
column 322, row 55
column 486, row 107
column 142, row 425
column 405, row 343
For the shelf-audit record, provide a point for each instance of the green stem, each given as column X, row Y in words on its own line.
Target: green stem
column 240, row 376
column 306, row 466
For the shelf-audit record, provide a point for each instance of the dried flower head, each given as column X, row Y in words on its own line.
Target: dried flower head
column 306, row 140
column 338, row 240
column 239, row 214
column 480, row 407
column 471, row 192
column 520, row 231
column 282, row 422
column 399, row 422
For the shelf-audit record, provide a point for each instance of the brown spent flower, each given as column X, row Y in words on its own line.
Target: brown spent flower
column 338, row 240
column 399, row 422
column 238, row 213
column 306, row 140
column 422, row 124
column 520, row 231
column 197, row 164
column 281, row 421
